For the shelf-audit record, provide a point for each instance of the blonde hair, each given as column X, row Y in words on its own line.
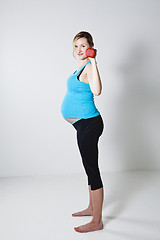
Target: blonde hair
column 86, row 35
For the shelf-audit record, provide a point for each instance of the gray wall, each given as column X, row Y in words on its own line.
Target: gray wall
column 36, row 60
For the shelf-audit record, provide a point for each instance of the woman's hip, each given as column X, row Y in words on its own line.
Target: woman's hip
column 93, row 126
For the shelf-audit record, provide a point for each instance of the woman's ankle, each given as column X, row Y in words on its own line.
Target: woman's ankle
column 90, row 207
column 97, row 220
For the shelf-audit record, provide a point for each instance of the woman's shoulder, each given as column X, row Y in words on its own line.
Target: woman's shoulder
column 88, row 67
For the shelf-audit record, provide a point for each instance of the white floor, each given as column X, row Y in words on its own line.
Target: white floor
column 36, row 208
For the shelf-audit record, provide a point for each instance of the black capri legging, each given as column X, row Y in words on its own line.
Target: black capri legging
column 88, row 132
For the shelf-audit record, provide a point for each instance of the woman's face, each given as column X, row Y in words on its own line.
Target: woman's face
column 80, row 47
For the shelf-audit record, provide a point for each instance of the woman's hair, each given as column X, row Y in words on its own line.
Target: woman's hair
column 86, row 35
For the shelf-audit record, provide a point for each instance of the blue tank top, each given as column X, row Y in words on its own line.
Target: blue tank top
column 79, row 99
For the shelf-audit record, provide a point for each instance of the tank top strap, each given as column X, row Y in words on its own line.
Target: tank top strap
column 86, row 63
column 82, row 67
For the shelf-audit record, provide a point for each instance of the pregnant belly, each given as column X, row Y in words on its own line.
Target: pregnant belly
column 69, row 108
column 71, row 120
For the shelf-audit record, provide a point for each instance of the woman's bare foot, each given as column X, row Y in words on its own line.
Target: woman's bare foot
column 91, row 226
column 87, row 212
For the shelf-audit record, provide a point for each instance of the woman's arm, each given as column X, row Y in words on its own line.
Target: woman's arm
column 94, row 77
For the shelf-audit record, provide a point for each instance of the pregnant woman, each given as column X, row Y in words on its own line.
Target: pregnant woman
column 78, row 108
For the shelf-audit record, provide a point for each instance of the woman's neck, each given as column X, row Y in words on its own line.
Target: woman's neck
column 81, row 63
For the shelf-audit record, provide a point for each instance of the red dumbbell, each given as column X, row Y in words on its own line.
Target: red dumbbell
column 90, row 52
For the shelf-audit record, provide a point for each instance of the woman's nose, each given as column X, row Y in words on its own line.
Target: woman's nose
column 79, row 49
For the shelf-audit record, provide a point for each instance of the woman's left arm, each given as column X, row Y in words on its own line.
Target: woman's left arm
column 94, row 77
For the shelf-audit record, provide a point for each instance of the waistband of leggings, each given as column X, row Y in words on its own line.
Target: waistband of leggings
column 87, row 120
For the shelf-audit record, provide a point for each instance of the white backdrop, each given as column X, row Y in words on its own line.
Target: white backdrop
column 36, row 60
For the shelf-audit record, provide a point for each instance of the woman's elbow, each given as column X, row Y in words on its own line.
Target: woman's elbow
column 97, row 93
